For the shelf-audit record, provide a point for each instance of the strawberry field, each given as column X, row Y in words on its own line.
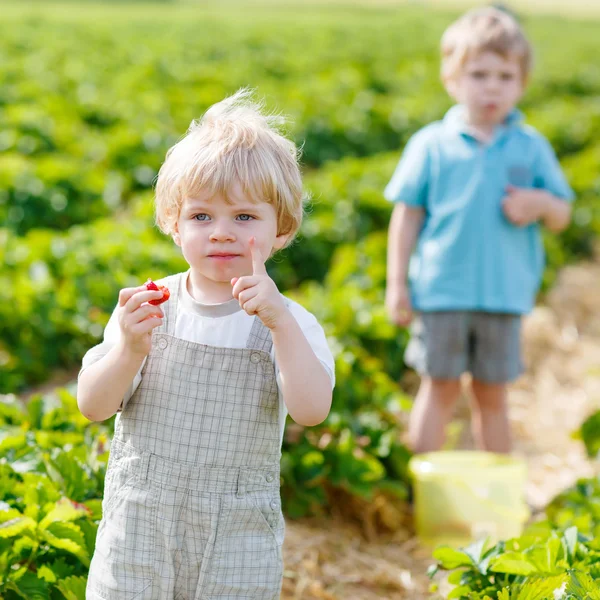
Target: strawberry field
column 91, row 97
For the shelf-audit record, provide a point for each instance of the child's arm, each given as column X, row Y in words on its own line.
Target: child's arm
column 404, row 229
column 523, row 206
column 306, row 386
column 101, row 387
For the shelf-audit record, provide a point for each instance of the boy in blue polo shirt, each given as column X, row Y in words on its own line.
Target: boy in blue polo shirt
column 471, row 193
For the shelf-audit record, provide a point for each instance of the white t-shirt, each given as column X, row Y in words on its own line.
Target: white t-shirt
column 224, row 325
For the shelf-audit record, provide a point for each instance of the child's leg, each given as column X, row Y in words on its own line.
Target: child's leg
column 432, row 412
column 438, row 351
column 495, row 361
column 490, row 424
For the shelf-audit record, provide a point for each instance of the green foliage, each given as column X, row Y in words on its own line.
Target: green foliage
column 359, row 448
column 83, row 132
column 51, row 479
column 555, row 559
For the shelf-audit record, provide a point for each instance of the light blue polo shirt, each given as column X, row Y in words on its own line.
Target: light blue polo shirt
column 468, row 255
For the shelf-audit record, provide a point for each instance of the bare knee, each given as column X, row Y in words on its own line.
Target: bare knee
column 445, row 391
column 489, row 396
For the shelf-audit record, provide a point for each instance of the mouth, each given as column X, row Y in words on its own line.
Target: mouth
column 223, row 256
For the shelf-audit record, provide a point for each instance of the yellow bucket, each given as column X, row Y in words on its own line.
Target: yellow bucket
column 461, row 496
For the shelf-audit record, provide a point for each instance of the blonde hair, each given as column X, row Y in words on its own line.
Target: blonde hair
column 485, row 29
column 233, row 145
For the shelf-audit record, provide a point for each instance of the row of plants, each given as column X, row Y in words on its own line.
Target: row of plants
column 86, row 119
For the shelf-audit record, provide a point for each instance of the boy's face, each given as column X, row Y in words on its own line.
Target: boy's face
column 489, row 85
column 214, row 235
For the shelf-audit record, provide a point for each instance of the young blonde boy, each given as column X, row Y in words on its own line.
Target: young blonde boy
column 192, row 506
column 471, row 192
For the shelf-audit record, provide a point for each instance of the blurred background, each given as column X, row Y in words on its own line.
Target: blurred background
column 92, row 94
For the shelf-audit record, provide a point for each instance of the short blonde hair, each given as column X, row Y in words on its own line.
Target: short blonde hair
column 485, row 29
column 234, row 145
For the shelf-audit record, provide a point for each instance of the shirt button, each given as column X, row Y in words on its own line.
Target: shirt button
column 274, row 504
column 255, row 357
column 269, row 477
column 162, row 343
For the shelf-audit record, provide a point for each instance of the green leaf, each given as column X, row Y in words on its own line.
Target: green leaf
column 11, row 411
column 590, row 434
column 45, row 572
column 35, row 410
column 61, row 568
column 569, row 541
column 74, row 479
column 451, row 558
column 73, row 588
column 12, row 438
column 29, row 586
column 514, row 563
column 65, row 510
column 459, row 592
column 550, row 588
column 456, row 577
column 13, row 523
column 544, row 557
column 581, row 585
column 475, row 550
column 69, row 537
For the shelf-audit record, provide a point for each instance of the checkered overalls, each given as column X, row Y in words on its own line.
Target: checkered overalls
column 192, row 508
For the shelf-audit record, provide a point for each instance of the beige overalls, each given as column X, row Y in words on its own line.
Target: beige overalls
column 192, row 507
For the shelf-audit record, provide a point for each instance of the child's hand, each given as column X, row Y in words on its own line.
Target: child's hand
column 258, row 294
column 137, row 318
column 523, row 206
column 397, row 301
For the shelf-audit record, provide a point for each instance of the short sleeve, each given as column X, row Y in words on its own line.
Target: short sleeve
column 409, row 181
column 548, row 174
column 93, row 355
column 316, row 337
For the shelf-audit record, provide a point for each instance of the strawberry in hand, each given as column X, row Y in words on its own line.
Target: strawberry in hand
column 150, row 285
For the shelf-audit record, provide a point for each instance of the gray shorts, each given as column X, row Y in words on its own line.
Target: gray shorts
column 444, row 345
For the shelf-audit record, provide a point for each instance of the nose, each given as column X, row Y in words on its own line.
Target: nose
column 494, row 83
column 221, row 232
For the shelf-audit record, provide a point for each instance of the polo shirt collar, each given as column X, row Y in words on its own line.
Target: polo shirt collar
column 454, row 121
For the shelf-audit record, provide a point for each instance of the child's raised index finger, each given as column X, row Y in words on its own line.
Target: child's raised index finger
column 258, row 262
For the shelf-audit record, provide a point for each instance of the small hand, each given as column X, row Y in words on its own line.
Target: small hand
column 137, row 318
column 397, row 301
column 258, row 294
column 523, row 206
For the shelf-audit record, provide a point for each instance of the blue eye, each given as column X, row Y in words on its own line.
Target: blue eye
column 201, row 217
column 245, row 217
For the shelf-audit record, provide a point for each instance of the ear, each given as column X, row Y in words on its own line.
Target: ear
column 280, row 241
column 451, row 85
column 175, row 235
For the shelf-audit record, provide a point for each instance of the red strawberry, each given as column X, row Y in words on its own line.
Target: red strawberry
column 150, row 285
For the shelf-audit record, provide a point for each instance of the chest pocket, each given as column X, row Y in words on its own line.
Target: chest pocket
column 520, row 176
